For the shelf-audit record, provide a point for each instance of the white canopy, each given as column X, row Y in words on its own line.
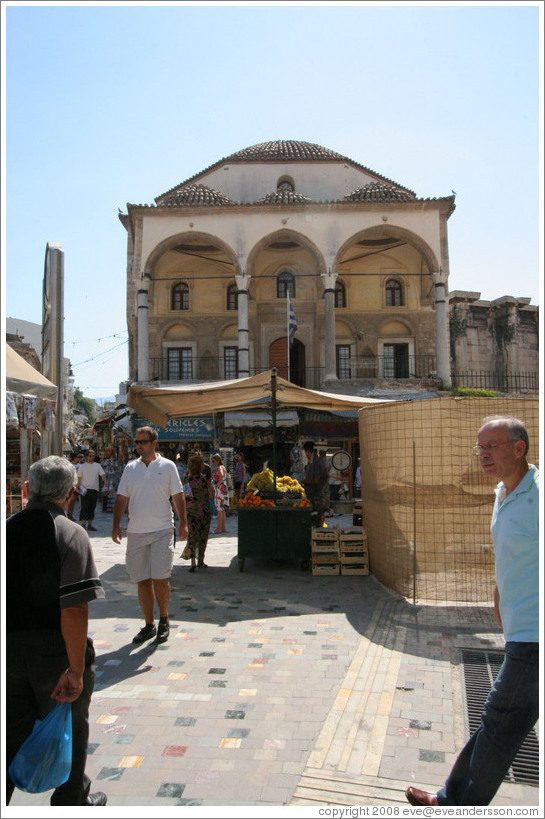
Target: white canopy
column 21, row 377
column 158, row 404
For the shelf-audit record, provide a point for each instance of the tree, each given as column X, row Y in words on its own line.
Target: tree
column 85, row 404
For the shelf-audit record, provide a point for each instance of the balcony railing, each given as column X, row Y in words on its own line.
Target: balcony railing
column 500, row 382
column 215, row 369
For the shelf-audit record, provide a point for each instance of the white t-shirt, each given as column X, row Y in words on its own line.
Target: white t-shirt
column 149, row 489
column 88, row 475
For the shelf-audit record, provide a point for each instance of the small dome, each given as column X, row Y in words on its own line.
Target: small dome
column 283, row 197
column 282, row 150
column 377, row 192
column 192, row 195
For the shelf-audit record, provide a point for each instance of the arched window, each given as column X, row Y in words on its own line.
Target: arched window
column 232, row 297
column 340, row 294
column 285, row 183
column 285, row 284
column 394, row 293
column 180, row 297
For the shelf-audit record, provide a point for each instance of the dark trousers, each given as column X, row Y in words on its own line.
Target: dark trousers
column 34, row 662
column 88, row 504
column 510, row 712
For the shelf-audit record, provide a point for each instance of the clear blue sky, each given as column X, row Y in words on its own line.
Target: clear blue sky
column 105, row 105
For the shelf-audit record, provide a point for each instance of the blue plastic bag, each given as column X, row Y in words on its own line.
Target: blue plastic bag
column 44, row 760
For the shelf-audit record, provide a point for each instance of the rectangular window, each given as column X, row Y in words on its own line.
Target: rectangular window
column 396, row 361
column 180, row 364
column 343, row 361
column 230, row 362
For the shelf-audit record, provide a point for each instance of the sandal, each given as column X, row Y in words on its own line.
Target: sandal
column 202, row 565
column 192, row 569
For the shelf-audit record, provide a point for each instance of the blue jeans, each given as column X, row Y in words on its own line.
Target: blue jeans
column 510, row 712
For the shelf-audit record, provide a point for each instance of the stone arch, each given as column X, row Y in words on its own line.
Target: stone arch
column 396, row 327
column 392, row 231
column 286, row 235
column 177, row 238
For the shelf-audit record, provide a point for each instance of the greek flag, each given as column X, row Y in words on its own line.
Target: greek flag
column 292, row 323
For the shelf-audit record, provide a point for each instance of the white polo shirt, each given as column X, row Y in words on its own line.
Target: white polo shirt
column 149, row 489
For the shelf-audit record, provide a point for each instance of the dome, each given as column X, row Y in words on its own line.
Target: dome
column 377, row 192
column 285, row 150
column 284, row 197
column 192, row 195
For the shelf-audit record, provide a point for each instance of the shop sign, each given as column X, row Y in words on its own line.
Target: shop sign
column 192, row 428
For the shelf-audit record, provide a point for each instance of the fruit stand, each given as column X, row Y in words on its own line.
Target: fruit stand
column 274, row 520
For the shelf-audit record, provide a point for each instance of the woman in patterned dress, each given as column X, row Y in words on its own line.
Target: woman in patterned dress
column 198, row 510
column 219, row 479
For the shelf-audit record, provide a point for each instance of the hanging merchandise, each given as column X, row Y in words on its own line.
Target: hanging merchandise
column 12, row 418
column 47, row 421
column 30, row 407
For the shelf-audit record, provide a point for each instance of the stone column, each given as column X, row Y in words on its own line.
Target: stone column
column 441, row 328
column 143, row 328
column 329, row 280
column 243, row 282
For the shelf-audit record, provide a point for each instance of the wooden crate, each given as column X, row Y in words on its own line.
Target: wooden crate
column 353, row 547
column 355, row 568
column 324, row 558
column 325, row 535
column 355, row 557
column 325, row 569
column 320, row 546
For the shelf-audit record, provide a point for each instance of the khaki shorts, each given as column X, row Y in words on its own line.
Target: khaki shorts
column 150, row 555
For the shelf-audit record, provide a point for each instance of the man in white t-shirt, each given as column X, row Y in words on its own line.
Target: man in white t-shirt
column 147, row 485
column 88, row 475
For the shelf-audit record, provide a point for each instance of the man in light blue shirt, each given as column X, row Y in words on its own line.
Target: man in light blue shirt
column 512, row 707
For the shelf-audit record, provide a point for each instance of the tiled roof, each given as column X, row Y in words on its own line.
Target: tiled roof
column 284, row 150
column 376, row 192
column 195, row 195
column 284, row 197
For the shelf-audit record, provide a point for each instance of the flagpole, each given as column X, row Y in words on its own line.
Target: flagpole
column 288, row 329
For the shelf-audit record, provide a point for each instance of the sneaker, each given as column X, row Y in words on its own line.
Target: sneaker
column 163, row 632
column 92, row 528
column 146, row 633
column 97, row 798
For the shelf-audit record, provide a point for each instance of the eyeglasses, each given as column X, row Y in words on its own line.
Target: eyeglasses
column 482, row 449
column 142, row 441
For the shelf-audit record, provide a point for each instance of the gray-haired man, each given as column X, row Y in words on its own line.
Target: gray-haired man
column 50, row 578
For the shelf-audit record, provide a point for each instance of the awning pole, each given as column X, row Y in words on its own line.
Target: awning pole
column 273, row 413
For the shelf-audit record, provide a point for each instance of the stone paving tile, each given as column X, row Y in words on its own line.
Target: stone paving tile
column 266, row 672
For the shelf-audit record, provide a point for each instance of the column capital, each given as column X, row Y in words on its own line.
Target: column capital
column 243, row 281
column 329, row 279
column 439, row 278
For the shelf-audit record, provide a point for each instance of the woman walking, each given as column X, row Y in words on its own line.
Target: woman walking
column 219, row 479
column 198, row 510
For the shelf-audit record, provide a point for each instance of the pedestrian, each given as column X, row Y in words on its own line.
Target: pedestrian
column 50, row 578
column 357, row 483
column 88, row 475
column 315, row 482
column 147, row 485
column 198, row 510
column 512, row 707
column 240, row 474
column 75, row 460
column 221, row 491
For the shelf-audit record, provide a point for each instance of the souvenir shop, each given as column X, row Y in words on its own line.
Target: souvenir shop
column 30, row 419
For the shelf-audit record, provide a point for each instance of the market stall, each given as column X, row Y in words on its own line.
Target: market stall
column 271, row 530
column 30, row 413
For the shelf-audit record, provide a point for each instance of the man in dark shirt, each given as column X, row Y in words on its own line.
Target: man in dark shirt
column 315, row 482
column 50, row 578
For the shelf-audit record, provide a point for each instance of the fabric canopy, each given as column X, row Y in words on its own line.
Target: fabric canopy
column 158, row 404
column 21, row 377
column 259, row 418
